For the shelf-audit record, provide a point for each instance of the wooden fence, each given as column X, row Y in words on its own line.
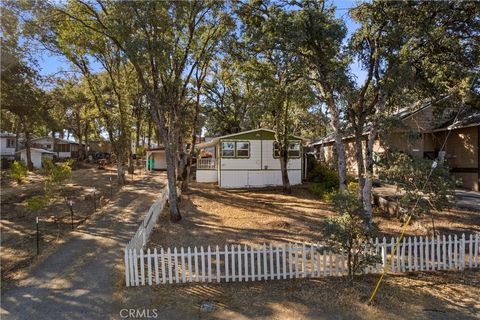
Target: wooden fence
column 293, row 260
column 139, row 240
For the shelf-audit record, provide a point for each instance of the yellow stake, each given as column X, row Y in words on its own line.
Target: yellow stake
column 389, row 260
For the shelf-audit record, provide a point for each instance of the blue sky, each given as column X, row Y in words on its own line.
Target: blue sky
column 52, row 64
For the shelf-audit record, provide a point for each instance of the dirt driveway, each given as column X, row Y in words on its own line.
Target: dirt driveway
column 83, row 277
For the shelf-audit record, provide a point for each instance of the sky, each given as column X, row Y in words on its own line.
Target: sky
column 53, row 64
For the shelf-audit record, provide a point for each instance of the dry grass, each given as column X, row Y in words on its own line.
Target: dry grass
column 214, row 216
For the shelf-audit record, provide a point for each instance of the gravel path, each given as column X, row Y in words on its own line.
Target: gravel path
column 83, row 277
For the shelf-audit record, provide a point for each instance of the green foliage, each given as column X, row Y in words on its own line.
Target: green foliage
column 141, row 151
column 324, row 181
column 38, row 202
column 347, row 233
column 409, row 175
column 17, row 171
column 56, row 176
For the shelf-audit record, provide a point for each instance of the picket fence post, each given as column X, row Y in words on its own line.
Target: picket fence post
column 209, row 260
column 245, row 252
column 226, row 264
column 162, row 260
column 259, row 262
column 149, row 265
column 182, row 261
column 476, row 250
column 202, row 257
column 189, row 262
column 470, row 251
column 415, row 254
column 195, row 255
column 233, row 263
column 444, row 249
column 175, row 260
column 239, row 263
column 155, row 262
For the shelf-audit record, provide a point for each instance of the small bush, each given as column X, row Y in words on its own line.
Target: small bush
column 17, row 171
column 324, row 181
column 322, row 174
column 410, row 175
column 347, row 233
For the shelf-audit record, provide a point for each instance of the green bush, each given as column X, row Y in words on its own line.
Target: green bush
column 348, row 234
column 324, row 181
column 410, row 174
column 17, row 171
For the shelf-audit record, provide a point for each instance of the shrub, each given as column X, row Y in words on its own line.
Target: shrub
column 17, row 171
column 56, row 177
column 410, row 175
column 324, row 181
column 347, row 233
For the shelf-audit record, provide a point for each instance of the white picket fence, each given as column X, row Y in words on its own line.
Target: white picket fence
column 139, row 240
column 293, row 260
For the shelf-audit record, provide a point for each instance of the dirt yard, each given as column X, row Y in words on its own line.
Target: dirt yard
column 18, row 243
column 217, row 216
column 213, row 216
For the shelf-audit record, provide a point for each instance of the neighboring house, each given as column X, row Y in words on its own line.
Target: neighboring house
column 62, row 148
column 37, row 156
column 421, row 133
column 7, row 144
column 248, row 159
column 99, row 146
column 156, row 159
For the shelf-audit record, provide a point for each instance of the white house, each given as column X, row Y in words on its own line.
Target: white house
column 156, row 159
column 37, row 156
column 60, row 147
column 249, row 159
column 7, row 145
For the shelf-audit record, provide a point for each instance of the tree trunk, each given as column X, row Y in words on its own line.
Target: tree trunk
column 86, row 139
column 137, row 134
column 120, row 171
column 28, row 144
column 283, row 168
column 182, row 161
column 359, row 158
column 170, row 155
column 149, row 133
column 131, row 166
column 367, row 188
column 341, row 158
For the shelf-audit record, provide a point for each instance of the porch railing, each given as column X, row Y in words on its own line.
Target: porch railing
column 205, row 164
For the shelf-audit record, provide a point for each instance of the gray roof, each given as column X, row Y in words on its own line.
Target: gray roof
column 469, row 116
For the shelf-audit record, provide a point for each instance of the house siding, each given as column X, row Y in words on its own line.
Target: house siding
column 259, row 170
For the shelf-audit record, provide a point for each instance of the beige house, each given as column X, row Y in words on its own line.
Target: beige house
column 421, row 133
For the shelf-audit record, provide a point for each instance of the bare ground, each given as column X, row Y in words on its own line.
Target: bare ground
column 215, row 216
column 81, row 278
column 17, row 224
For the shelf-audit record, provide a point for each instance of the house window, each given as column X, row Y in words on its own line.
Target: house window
column 293, row 150
column 243, row 149
column 62, row 147
column 10, row 143
column 228, row 149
